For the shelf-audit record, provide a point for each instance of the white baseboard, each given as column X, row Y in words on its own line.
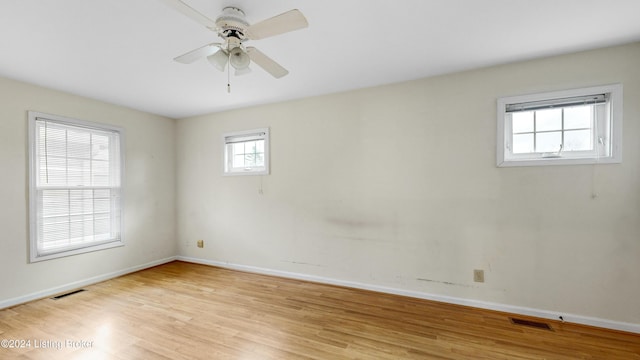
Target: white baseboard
column 544, row 314
column 78, row 284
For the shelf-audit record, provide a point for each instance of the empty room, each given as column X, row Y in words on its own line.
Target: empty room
column 234, row 179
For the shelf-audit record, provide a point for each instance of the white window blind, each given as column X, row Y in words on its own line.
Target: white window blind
column 555, row 103
column 76, row 186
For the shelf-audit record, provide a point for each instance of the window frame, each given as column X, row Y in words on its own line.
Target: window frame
column 227, row 170
column 612, row 127
column 34, row 254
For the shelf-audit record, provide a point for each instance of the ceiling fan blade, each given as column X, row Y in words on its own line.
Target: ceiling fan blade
column 279, row 24
column 266, row 63
column 191, row 13
column 196, row 54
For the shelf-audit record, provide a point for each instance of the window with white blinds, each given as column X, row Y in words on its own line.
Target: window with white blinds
column 577, row 126
column 75, row 186
column 246, row 152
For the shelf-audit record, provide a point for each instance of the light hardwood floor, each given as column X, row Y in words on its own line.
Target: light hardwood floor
column 188, row 311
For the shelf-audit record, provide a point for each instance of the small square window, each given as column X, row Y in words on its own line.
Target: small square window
column 246, row 152
column 580, row 126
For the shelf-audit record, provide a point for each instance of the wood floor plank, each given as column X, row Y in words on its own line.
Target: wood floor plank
column 188, row 311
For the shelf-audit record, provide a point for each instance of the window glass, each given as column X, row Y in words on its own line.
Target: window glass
column 578, row 140
column 577, row 117
column 548, row 141
column 523, row 122
column 523, row 143
column 547, row 120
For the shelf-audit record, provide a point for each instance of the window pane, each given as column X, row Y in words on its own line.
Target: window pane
column 102, row 226
column 260, row 146
column 54, row 203
column 80, row 202
column 238, row 148
column 77, row 172
column 522, row 143
column 100, row 147
column 238, row 161
column 250, row 160
column 55, row 232
column 250, row 147
column 87, row 224
column 53, row 170
column 55, row 144
column 76, row 227
column 550, row 119
column 102, row 206
column 548, row 142
column 578, row 140
column 259, row 159
column 100, row 173
column 522, row 121
column 78, row 144
column 577, row 117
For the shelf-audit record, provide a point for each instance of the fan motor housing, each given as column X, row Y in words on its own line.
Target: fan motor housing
column 232, row 23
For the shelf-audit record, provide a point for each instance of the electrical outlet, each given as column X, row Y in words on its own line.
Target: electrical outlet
column 200, row 243
column 478, row 275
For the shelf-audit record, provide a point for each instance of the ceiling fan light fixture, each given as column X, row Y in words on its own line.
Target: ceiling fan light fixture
column 219, row 60
column 239, row 59
column 243, row 71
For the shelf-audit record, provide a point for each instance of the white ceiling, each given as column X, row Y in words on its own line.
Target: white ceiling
column 121, row 51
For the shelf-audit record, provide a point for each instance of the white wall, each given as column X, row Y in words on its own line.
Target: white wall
column 397, row 186
column 394, row 186
column 149, row 192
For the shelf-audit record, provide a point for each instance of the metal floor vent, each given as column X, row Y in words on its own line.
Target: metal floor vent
column 530, row 323
column 67, row 294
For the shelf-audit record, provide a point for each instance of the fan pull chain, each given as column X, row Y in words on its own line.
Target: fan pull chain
column 229, row 75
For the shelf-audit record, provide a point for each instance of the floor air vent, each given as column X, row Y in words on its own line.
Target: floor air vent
column 530, row 323
column 67, row 294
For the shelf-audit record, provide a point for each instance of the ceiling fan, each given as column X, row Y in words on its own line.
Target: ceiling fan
column 232, row 27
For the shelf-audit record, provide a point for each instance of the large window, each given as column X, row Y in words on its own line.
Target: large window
column 581, row 126
column 246, row 152
column 75, row 175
